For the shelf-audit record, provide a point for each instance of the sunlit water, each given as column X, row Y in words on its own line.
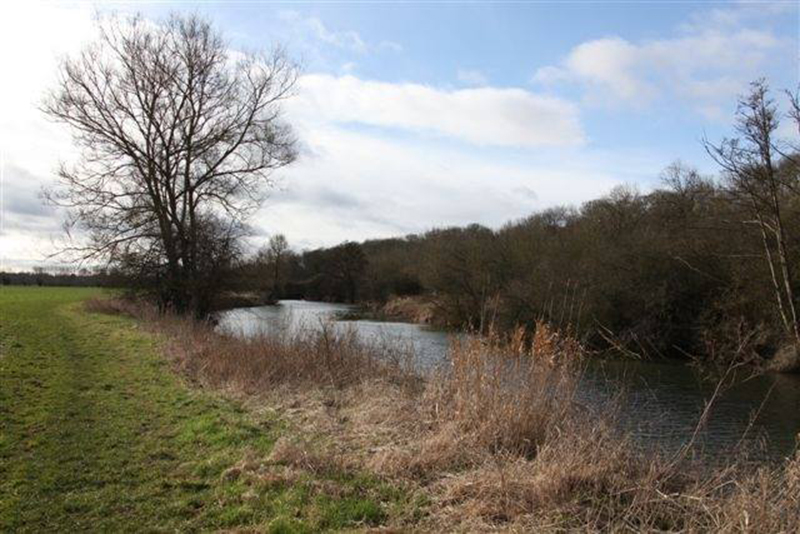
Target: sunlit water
column 661, row 402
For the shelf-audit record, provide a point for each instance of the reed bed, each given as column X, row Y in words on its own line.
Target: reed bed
column 495, row 439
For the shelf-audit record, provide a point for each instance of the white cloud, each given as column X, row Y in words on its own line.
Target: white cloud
column 346, row 39
column 472, row 77
column 610, row 63
column 348, row 67
column 391, row 46
column 702, row 63
column 313, row 29
column 353, row 185
column 483, row 116
column 742, row 13
column 32, row 37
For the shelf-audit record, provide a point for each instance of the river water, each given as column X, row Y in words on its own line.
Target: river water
column 661, row 402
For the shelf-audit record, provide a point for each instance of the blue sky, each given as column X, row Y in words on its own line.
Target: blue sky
column 504, row 44
column 414, row 115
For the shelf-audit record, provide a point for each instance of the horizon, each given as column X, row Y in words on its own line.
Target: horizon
column 508, row 118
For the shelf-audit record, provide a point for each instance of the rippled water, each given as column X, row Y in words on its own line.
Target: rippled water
column 661, row 402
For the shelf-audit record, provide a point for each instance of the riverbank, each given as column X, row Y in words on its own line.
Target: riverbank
column 423, row 310
column 419, row 310
column 465, row 451
column 242, row 299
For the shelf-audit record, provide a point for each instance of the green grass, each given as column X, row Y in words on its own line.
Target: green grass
column 98, row 433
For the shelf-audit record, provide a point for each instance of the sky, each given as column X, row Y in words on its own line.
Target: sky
column 415, row 115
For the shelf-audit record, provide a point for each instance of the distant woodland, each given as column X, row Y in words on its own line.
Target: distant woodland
column 703, row 266
column 671, row 272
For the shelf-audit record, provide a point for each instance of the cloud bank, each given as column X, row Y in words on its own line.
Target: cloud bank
column 708, row 60
column 486, row 116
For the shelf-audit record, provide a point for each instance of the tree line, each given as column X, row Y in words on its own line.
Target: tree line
column 60, row 276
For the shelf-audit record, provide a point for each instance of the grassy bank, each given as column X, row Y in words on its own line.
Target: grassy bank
column 97, row 432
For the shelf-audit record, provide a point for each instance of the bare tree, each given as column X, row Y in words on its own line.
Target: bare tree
column 278, row 247
column 178, row 136
column 757, row 180
column 272, row 257
column 789, row 150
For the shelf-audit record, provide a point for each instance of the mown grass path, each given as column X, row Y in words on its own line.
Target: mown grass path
column 97, row 433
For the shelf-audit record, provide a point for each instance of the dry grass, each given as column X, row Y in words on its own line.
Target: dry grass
column 496, row 440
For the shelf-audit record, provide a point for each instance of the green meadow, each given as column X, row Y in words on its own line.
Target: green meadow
column 98, row 433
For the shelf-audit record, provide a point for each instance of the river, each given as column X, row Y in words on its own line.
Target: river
column 661, row 401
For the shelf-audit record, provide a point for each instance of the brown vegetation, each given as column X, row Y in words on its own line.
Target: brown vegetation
column 494, row 440
column 412, row 309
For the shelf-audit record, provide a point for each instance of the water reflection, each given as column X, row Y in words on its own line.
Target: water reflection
column 663, row 402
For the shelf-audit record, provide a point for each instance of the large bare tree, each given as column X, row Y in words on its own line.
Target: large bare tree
column 178, row 138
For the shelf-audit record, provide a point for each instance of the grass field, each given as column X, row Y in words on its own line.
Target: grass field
column 98, row 433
